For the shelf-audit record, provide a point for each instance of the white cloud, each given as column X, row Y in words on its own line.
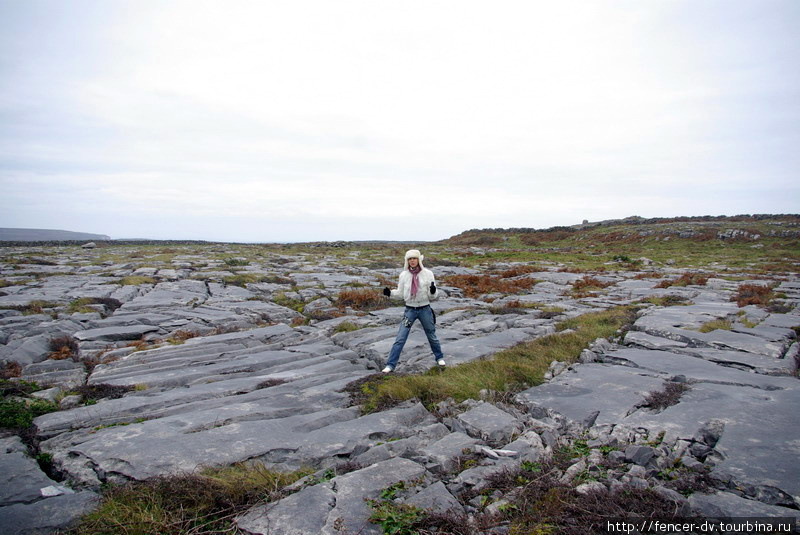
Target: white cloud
column 392, row 120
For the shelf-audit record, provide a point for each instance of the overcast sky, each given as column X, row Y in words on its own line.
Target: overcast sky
column 325, row 120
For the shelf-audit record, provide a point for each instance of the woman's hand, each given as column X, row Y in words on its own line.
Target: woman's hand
column 433, row 287
column 387, row 292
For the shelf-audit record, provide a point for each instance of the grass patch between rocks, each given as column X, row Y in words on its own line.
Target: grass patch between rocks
column 203, row 502
column 510, row 370
column 713, row 325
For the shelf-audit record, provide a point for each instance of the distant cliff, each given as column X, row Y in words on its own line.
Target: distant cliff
column 38, row 234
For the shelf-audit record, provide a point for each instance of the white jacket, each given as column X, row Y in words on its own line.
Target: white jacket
column 424, row 295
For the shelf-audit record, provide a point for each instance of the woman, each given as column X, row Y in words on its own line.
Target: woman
column 417, row 288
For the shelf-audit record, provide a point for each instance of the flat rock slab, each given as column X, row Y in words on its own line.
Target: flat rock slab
column 444, row 451
column 21, row 479
column 468, row 349
column 614, row 391
column 680, row 323
column 671, row 364
column 729, row 505
column 435, row 498
column 223, row 436
column 490, row 424
column 340, row 503
column 47, row 515
column 115, row 334
column 744, row 361
column 758, row 437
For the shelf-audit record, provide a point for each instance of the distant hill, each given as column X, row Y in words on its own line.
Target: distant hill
column 38, row 234
column 634, row 229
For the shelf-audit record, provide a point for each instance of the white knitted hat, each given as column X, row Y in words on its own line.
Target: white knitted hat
column 413, row 253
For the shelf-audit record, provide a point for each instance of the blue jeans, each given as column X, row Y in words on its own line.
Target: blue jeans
column 425, row 316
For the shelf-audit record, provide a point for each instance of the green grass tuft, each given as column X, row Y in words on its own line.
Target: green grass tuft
column 203, row 502
column 714, row 325
column 511, row 370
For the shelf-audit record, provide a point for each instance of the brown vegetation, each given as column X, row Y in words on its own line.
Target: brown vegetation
column 63, row 347
column 516, row 271
column 477, row 285
column 11, row 369
column 670, row 395
column 753, row 294
column 364, row 299
column 687, row 279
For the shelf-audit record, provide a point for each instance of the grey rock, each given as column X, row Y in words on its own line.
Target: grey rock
column 591, row 487
column 490, row 424
column 612, row 390
column 711, row 432
column 728, row 505
column 573, row 471
column 374, row 455
column 478, row 476
column 642, row 339
column 637, row 471
column 113, row 334
column 352, row 489
column 303, row 513
column 529, row 446
column 46, row 515
column 692, row 464
column 641, row 455
column 435, row 498
column 20, row 475
column 445, row 451
column 683, row 508
column 638, row 483
column 616, row 456
column 70, row 402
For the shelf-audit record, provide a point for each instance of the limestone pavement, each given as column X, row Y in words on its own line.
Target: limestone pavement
column 247, row 386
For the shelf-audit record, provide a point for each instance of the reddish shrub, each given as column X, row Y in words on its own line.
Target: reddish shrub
column 518, row 270
column 687, row 279
column 364, row 299
column 11, row 369
column 590, row 282
column 63, row 347
column 476, row 285
column 753, row 294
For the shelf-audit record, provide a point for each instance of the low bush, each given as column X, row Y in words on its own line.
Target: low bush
column 668, row 300
column 589, row 282
column 362, row 299
column 19, row 414
column 346, row 327
column 687, row 279
column 92, row 393
column 10, row 369
column 668, row 396
column 136, row 280
column 81, row 305
column 477, row 285
column 753, row 294
column 717, row 324
column 17, row 388
column 180, row 336
column 203, row 502
column 509, row 307
column 34, row 307
column 63, row 347
column 516, row 271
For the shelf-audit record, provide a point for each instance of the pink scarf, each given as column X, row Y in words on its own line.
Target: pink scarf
column 415, row 279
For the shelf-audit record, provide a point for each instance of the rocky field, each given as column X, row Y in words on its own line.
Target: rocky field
column 150, row 361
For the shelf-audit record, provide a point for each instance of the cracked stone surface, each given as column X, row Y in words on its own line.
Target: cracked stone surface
column 226, row 373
